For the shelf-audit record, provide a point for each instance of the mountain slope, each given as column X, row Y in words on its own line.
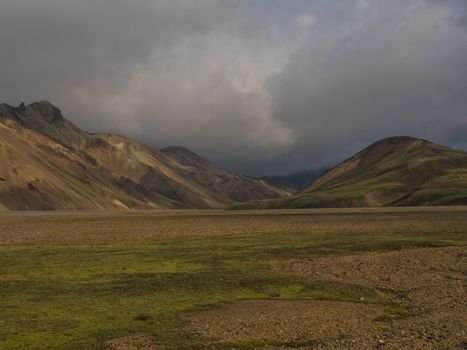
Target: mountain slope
column 236, row 187
column 398, row 171
column 224, row 183
column 47, row 163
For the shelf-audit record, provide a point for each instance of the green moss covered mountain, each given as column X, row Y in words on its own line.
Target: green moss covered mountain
column 398, row 171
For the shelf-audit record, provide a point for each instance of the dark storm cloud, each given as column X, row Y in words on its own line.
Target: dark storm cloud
column 260, row 86
column 55, row 49
column 463, row 15
column 395, row 70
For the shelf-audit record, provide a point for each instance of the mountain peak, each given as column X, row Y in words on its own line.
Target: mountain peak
column 399, row 140
column 44, row 118
column 390, row 145
column 5, row 109
column 43, row 109
column 46, row 110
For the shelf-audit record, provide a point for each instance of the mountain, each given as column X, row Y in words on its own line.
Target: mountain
column 48, row 163
column 397, row 171
column 236, row 187
column 296, row 181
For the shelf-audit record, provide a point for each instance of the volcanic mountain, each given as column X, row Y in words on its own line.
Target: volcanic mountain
column 48, row 163
column 397, row 171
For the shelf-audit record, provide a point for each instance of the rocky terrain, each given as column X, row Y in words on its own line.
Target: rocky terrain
column 428, row 286
column 427, row 310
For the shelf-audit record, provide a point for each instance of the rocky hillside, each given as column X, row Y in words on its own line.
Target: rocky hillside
column 237, row 187
column 398, row 171
column 47, row 163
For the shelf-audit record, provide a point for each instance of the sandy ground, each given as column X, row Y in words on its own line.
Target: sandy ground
column 431, row 282
column 31, row 227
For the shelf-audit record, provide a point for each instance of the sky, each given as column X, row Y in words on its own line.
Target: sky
column 261, row 87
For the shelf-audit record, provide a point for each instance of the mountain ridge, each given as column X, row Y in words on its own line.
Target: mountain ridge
column 395, row 171
column 238, row 187
column 48, row 163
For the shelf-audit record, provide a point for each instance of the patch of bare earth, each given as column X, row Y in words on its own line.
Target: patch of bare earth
column 431, row 282
column 321, row 322
column 133, row 342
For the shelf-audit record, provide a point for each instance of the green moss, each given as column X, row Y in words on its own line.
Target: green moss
column 77, row 296
column 393, row 313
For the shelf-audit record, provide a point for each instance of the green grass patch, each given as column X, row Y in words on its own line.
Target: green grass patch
column 78, row 296
column 393, row 313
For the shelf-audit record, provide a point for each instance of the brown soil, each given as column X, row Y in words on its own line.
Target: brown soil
column 133, row 342
column 430, row 282
column 29, row 227
column 320, row 322
column 425, row 278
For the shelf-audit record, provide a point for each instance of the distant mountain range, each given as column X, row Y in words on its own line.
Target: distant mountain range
column 47, row 163
column 296, row 181
column 398, row 171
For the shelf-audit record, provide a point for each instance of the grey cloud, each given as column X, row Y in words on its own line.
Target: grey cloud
column 63, row 44
column 398, row 70
column 463, row 16
column 242, row 82
column 178, row 71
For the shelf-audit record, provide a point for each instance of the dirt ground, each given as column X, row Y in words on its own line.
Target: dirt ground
column 429, row 282
column 32, row 227
column 133, row 342
column 286, row 321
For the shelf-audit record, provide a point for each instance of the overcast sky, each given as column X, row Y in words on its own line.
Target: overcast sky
column 259, row 86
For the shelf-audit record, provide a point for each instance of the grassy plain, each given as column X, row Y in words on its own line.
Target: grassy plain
column 77, row 280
